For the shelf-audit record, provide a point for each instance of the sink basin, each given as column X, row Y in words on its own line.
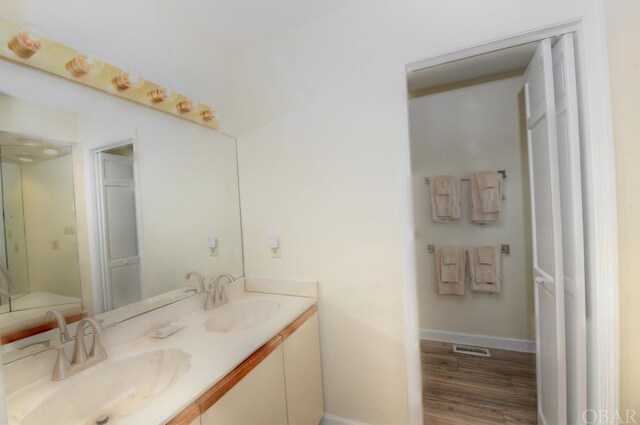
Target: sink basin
column 114, row 390
column 241, row 315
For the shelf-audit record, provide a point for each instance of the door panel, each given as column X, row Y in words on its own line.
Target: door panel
column 119, row 230
column 120, row 204
column 547, row 237
column 543, row 223
column 566, row 103
column 125, row 288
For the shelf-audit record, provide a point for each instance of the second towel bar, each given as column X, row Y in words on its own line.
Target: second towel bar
column 427, row 180
column 504, row 249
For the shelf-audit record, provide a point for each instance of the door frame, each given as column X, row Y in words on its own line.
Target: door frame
column 599, row 205
column 100, row 290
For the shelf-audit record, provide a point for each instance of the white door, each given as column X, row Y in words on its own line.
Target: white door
column 119, row 230
column 566, row 103
column 547, row 238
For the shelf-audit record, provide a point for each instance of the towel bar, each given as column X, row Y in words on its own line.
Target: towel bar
column 504, row 249
column 427, row 180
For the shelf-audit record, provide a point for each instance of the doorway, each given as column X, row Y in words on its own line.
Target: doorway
column 498, row 111
column 118, row 223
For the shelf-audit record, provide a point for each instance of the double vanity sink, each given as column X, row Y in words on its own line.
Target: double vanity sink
column 149, row 380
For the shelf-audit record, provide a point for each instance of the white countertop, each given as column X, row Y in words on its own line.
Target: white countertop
column 213, row 356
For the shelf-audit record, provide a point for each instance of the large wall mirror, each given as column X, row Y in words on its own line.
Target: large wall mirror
column 107, row 204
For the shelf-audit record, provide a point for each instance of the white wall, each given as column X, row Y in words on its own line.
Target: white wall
column 49, row 207
column 459, row 132
column 321, row 116
column 33, row 119
column 624, row 37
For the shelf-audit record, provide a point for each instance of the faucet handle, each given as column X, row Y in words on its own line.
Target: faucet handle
column 212, row 282
column 62, row 365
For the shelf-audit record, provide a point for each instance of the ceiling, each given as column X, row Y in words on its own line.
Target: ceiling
column 27, row 150
column 476, row 67
column 238, row 23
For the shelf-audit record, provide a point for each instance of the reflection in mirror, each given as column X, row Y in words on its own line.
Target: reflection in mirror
column 39, row 228
column 118, row 226
column 183, row 194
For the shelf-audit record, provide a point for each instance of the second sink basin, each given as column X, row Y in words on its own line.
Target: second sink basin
column 241, row 315
column 107, row 392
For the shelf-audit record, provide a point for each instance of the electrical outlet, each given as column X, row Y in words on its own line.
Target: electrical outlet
column 69, row 230
column 274, row 246
column 212, row 241
column 55, row 244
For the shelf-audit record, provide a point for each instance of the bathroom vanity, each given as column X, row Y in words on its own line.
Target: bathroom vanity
column 253, row 360
column 155, row 197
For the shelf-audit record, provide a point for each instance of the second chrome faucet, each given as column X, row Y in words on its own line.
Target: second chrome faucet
column 215, row 291
column 81, row 360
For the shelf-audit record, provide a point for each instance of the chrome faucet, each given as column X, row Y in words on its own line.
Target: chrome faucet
column 55, row 314
column 198, row 276
column 220, row 295
column 216, row 295
column 81, row 360
column 97, row 353
column 210, row 301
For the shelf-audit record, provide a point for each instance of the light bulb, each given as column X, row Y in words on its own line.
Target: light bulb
column 128, row 80
column 82, row 64
column 208, row 115
column 162, row 94
column 50, row 151
column 185, row 106
column 28, row 42
column 29, row 142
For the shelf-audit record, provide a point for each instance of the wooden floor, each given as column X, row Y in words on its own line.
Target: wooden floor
column 461, row 389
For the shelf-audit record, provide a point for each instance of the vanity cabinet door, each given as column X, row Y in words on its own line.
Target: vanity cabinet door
column 258, row 399
column 303, row 374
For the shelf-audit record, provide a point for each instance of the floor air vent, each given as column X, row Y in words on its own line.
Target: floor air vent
column 474, row 351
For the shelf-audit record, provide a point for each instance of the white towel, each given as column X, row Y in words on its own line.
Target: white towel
column 444, row 192
column 484, row 269
column 485, row 197
column 450, row 270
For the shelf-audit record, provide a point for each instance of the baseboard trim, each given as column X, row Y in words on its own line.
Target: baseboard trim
column 480, row 340
column 329, row 419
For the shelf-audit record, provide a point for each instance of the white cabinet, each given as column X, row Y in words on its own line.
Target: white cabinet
column 303, row 375
column 283, row 387
column 259, row 398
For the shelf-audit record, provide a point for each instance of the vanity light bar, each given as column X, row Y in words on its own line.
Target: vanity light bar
column 30, row 48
